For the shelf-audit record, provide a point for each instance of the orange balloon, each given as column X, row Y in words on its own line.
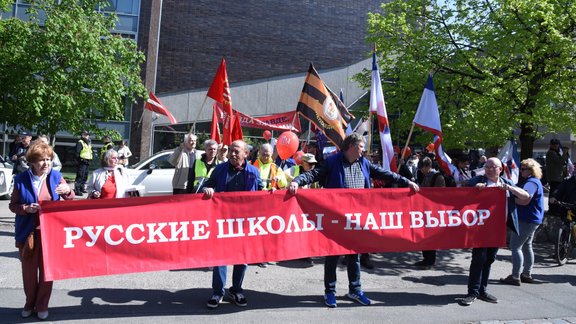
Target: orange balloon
column 287, row 144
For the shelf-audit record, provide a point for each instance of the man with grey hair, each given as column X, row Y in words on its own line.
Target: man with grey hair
column 203, row 167
column 272, row 176
column 234, row 175
column 183, row 159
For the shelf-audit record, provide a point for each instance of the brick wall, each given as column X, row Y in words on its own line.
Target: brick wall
column 258, row 38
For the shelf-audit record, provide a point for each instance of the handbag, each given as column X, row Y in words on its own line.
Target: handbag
column 28, row 249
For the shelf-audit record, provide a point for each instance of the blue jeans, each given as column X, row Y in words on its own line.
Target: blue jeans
column 521, row 247
column 353, row 264
column 482, row 259
column 219, row 279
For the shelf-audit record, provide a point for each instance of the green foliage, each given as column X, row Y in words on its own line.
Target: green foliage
column 497, row 65
column 62, row 74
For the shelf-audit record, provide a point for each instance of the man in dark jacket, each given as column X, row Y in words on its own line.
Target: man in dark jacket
column 347, row 169
column 234, row 175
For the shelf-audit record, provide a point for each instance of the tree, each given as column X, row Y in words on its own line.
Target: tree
column 497, row 65
column 66, row 70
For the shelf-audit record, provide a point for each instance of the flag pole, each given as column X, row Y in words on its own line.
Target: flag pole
column 406, row 145
column 193, row 130
column 370, row 116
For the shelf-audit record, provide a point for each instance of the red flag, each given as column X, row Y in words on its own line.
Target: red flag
column 154, row 104
column 236, row 130
column 215, row 129
column 220, row 91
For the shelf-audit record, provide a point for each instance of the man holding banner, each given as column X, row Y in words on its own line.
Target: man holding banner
column 234, row 175
column 347, row 169
column 483, row 257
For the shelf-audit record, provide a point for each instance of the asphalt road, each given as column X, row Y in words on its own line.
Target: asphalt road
column 291, row 292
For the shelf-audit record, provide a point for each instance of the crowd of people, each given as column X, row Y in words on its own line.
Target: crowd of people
column 219, row 168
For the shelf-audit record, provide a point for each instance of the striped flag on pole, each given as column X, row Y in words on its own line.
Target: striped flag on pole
column 378, row 107
column 428, row 118
column 154, row 104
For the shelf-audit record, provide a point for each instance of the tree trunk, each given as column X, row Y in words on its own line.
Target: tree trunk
column 526, row 140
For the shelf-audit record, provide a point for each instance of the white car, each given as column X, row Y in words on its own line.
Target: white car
column 6, row 179
column 155, row 173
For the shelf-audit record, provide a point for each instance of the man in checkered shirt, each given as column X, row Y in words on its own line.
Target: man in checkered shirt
column 347, row 169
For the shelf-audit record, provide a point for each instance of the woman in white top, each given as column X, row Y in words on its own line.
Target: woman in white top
column 124, row 153
column 110, row 181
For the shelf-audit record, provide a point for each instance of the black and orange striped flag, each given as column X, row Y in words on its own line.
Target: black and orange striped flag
column 323, row 108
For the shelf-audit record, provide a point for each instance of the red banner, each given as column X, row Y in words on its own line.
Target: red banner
column 281, row 122
column 101, row 237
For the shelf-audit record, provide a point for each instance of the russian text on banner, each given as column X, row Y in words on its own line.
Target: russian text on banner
column 93, row 237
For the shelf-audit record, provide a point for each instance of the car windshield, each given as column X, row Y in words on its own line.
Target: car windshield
column 159, row 159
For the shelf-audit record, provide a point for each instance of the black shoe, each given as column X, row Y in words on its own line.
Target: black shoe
column 214, row 301
column 237, row 298
column 467, row 301
column 488, row 298
column 367, row 264
column 527, row 279
column 424, row 265
column 78, row 193
column 510, row 281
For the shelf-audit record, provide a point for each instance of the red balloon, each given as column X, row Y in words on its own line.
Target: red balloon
column 267, row 135
column 298, row 157
column 287, row 144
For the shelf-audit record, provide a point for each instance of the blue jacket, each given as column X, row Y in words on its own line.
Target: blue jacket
column 219, row 178
column 512, row 217
column 534, row 211
column 331, row 173
column 26, row 223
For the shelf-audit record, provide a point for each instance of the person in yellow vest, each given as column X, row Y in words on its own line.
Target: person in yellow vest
column 272, row 176
column 108, row 145
column 84, row 157
column 308, row 163
column 203, row 167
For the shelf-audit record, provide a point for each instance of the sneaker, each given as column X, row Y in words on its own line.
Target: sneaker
column 26, row 313
column 237, row 298
column 214, row 301
column 467, row 301
column 42, row 315
column 330, row 300
column 488, row 298
column 510, row 281
column 526, row 278
column 360, row 298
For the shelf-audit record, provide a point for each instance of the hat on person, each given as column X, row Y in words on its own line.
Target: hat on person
column 85, row 132
column 24, row 134
column 554, row 141
column 309, row 158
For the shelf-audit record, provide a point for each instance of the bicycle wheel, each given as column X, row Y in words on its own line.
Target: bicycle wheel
column 563, row 244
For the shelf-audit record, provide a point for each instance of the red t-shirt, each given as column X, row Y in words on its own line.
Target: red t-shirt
column 109, row 188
